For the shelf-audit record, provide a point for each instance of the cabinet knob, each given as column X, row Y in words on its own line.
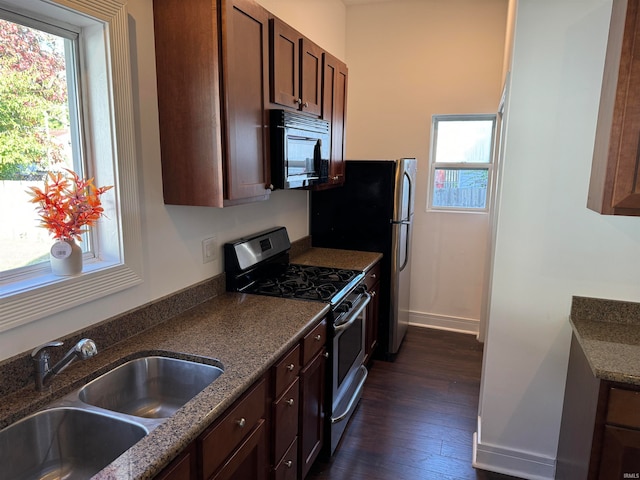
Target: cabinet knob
column 326, row 354
column 242, row 422
column 318, row 337
column 306, row 104
column 373, row 294
column 336, row 178
column 271, row 187
column 373, row 275
column 288, row 463
column 290, row 367
column 290, row 402
column 298, row 101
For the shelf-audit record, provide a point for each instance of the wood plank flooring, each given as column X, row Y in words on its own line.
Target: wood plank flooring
column 417, row 415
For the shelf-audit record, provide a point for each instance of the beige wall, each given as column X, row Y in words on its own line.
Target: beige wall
column 409, row 60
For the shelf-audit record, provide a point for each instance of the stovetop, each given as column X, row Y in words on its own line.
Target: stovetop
column 259, row 264
column 306, row 282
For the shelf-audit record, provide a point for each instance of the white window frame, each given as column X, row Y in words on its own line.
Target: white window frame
column 489, row 167
column 110, row 144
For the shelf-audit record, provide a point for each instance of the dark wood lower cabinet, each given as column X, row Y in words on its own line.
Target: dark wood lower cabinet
column 600, row 429
column 250, row 458
column 620, row 456
column 184, row 467
column 312, row 378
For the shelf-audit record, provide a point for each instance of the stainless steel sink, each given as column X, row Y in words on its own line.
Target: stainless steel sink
column 67, row 443
column 150, row 387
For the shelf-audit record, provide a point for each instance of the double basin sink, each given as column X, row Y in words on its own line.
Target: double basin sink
column 80, row 434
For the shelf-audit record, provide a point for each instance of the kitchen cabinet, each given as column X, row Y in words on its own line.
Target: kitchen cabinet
column 600, row 428
column 296, row 69
column 212, row 62
column 184, row 467
column 372, row 282
column 235, row 446
column 285, row 414
column 334, row 110
column 614, row 188
column 312, row 391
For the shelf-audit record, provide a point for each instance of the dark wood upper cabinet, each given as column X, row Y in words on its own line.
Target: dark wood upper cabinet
column 296, row 69
column 245, row 99
column 212, row 73
column 615, row 173
column 334, row 110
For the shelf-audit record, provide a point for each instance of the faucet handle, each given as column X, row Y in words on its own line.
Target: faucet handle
column 40, row 351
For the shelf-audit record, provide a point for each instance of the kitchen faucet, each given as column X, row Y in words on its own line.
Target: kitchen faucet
column 83, row 350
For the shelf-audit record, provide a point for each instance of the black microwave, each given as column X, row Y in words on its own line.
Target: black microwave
column 300, row 149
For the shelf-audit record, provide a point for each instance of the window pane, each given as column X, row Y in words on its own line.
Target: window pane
column 463, row 141
column 461, row 188
column 35, row 134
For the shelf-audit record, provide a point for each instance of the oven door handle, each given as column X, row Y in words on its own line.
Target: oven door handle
column 354, row 398
column 355, row 315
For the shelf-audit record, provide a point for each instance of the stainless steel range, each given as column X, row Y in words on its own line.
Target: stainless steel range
column 259, row 264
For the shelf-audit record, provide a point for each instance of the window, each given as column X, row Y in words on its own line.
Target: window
column 461, row 162
column 84, row 122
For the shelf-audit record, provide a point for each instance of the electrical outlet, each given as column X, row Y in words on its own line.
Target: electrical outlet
column 209, row 250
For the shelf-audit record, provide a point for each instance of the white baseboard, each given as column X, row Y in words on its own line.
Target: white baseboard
column 512, row 462
column 444, row 322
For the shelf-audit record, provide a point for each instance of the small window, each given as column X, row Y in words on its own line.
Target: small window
column 461, row 162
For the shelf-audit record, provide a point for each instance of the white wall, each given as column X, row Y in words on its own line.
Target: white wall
column 172, row 235
column 409, row 60
column 549, row 246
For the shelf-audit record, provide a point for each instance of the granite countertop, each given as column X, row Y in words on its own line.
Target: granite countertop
column 332, row 257
column 246, row 333
column 609, row 333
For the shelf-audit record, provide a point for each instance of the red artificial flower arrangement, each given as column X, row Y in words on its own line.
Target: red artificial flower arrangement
column 68, row 204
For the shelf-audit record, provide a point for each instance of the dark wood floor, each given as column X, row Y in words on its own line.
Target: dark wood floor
column 417, row 415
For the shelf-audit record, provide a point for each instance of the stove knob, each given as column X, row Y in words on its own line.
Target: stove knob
column 361, row 289
column 343, row 307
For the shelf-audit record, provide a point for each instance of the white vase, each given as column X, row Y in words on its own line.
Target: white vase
column 66, row 258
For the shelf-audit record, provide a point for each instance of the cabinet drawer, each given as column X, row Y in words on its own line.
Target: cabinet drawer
column 287, row 469
column 285, row 420
column 624, row 408
column 222, row 438
column 372, row 277
column 313, row 342
column 286, row 370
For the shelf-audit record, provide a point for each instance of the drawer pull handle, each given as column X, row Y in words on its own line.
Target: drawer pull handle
column 318, row 337
column 242, row 422
column 290, row 402
column 326, row 354
column 373, row 275
column 288, row 463
column 290, row 367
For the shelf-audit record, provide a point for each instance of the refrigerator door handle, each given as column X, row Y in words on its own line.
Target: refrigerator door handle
column 400, row 222
column 406, row 246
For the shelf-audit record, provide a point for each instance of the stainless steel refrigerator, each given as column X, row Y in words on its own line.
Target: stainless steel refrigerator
column 373, row 212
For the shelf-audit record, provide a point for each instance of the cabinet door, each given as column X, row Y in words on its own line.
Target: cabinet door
column 186, row 41
column 615, row 173
column 182, row 468
column 334, row 110
column 371, row 333
column 245, row 64
column 312, row 378
column 285, row 66
column 249, row 461
column 310, row 77
column 620, row 454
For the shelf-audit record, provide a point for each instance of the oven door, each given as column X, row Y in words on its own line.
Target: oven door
column 348, row 373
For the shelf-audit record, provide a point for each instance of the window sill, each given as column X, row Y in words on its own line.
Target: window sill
column 44, row 295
